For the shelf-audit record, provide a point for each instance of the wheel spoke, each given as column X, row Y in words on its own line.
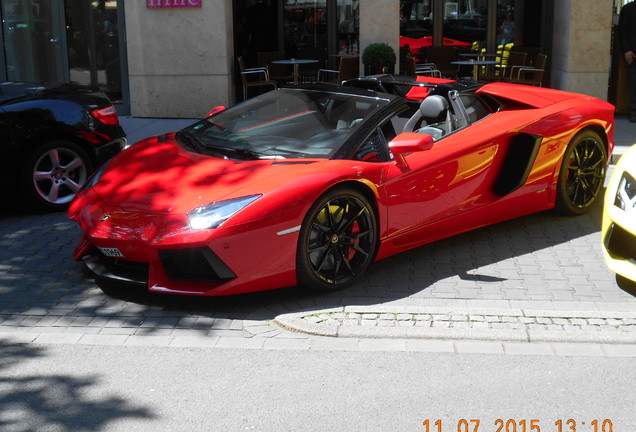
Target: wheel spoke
column 595, row 165
column 345, row 260
column 317, row 248
column 42, row 175
column 330, row 216
column 357, row 247
column 73, row 186
column 320, row 226
column 54, row 192
column 323, row 259
column 598, row 176
column 74, row 164
column 359, row 235
column 336, row 267
column 577, row 189
column 54, row 157
column 352, row 220
column 577, row 156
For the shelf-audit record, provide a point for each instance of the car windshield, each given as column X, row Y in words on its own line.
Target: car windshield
column 287, row 123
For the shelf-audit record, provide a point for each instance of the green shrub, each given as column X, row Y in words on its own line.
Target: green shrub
column 378, row 55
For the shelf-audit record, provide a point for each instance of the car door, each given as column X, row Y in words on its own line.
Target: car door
column 455, row 175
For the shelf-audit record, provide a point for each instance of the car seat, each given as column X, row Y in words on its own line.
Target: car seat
column 433, row 107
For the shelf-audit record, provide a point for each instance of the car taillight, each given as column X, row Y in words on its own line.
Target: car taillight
column 107, row 115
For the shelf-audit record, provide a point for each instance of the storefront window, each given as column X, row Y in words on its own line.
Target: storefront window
column 416, row 19
column 348, row 27
column 510, row 18
column 92, row 33
column 305, row 27
column 32, row 43
column 321, row 29
column 465, row 22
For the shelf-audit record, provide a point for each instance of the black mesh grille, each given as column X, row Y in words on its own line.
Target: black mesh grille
column 620, row 243
column 199, row 264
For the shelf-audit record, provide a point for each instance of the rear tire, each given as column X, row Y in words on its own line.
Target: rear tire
column 582, row 173
column 53, row 174
column 338, row 240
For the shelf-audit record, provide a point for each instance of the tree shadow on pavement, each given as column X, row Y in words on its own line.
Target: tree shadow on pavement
column 30, row 401
column 37, row 272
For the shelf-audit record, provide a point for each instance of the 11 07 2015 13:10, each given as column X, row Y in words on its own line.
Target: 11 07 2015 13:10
column 512, row 425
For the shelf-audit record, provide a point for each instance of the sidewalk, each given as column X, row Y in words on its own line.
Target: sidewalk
column 624, row 135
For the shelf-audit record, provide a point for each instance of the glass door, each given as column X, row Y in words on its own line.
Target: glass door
column 34, row 40
column 465, row 23
column 321, row 29
column 92, row 32
column 347, row 17
column 305, row 26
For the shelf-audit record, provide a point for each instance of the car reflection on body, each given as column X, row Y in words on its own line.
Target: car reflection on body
column 308, row 186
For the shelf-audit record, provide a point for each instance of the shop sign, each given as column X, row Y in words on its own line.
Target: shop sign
column 172, row 3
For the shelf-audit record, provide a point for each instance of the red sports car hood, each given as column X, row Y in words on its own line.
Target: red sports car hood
column 162, row 177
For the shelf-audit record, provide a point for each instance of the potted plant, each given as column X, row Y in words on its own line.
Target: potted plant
column 378, row 58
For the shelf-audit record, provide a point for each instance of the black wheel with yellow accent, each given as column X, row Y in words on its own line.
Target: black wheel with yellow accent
column 582, row 173
column 338, row 240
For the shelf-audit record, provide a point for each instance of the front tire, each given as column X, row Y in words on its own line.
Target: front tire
column 53, row 174
column 582, row 173
column 338, row 240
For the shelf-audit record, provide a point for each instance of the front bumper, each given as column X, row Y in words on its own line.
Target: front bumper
column 190, row 264
column 163, row 254
column 620, row 250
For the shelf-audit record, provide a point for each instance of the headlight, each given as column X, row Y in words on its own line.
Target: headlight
column 626, row 193
column 213, row 215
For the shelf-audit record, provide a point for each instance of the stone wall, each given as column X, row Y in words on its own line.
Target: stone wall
column 581, row 46
column 180, row 60
column 380, row 22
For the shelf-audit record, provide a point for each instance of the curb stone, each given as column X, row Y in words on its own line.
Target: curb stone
column 516, row 325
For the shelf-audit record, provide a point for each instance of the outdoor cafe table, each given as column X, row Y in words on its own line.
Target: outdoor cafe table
column 478, row 56
column 295, row 62
column 475, row 64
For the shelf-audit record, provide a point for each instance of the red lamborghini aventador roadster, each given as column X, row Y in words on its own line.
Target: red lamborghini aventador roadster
column 308, row 186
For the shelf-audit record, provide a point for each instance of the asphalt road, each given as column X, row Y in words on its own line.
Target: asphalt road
column 98, row 388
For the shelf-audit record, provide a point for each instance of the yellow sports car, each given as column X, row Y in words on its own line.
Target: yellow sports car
column 619, row 218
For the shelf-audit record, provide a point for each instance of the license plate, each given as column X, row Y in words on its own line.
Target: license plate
column 111, row 252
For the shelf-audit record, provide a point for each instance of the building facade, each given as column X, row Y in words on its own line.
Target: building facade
column 178, row 58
